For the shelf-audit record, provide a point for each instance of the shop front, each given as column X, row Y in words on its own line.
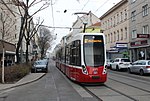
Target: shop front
column 9, row 51
column 139, row 50
column 120, row 50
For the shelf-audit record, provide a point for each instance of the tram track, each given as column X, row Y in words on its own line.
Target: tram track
column 135, row 76
column 121, row 93
column 133, row 79
column 130, row 85
column 115, row 90
column 91, row 93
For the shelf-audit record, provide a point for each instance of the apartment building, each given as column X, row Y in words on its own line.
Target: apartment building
column 8, row 20
column 139, row 15
column 8, row 27
column 115, row 25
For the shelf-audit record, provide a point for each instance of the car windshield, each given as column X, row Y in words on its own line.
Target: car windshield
column 125, row 60
column 40, row 63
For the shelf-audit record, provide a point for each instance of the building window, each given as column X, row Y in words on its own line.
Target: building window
column 117, row 18
column 111, row 38
column 145, row 10
column 106, row 24
column 145, row 29
column 114, row 36
column 118, row 35
column 126, row 33
column 125, row 16
column 121, row 16
column 111, row 23
column 114, row 21
column 108, row 38
column 134, row 34
column 15, row 36
column 133, row 14
column 121, row 34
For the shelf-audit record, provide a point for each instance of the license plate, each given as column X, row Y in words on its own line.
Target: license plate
column 95, row 77
column 39, row 69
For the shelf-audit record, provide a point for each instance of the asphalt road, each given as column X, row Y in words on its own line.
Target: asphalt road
column 52, row 87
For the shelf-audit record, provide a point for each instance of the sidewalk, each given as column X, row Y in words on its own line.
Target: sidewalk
column 27, row 79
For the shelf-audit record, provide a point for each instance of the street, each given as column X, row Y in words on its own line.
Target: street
column 54, row 86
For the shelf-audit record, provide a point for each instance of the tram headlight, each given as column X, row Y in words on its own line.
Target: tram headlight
column 105, row 70
column 84, row 70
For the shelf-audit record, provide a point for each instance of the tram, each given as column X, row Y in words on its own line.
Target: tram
column 82, row 57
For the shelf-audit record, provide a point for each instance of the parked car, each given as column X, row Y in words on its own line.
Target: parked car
column 46, row 61
column 120, row 63
column 140, row 66
column 40, row 66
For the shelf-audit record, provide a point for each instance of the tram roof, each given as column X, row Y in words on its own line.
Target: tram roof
column 79, row 36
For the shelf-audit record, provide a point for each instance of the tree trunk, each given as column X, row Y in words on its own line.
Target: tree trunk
column 27, row 59
column 20, row 39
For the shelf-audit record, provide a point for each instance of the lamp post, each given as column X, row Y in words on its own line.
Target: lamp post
column 3, row 56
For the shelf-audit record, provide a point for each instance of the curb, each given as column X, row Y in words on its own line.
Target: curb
column 21, row 84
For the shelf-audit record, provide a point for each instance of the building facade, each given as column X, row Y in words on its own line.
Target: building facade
column 8, row 31
column 139, row 15
column 115, row 25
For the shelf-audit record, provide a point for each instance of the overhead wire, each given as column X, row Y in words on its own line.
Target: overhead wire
column 102, row 5
column 99, row 7
column 85, row 4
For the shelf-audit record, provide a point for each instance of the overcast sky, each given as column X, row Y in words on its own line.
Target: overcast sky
column 54, row 15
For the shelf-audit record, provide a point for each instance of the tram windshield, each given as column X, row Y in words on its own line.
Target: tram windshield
column 94, row 54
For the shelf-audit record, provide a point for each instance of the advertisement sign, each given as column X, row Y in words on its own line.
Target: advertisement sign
column 143, row 35
column 121, row 45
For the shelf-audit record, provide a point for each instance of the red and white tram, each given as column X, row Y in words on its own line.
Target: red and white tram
column 82, row 57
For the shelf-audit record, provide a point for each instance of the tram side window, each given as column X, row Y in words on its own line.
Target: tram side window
column 75, row 54
column 72, row 53
column 62, row 55
column 67, row 54
column 70, row 57
column 78, row 53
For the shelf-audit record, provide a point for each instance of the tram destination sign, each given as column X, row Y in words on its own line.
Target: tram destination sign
column 143, row 35
column 91, row 41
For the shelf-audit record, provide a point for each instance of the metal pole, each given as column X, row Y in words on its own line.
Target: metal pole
column 3, row 75
column 3, row 81
column 84, row 27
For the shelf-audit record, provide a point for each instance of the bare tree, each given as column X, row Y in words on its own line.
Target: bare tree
column 25, row 29
column 45, row 40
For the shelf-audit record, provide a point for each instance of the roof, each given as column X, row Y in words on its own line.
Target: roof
column 97, row 24
column 114, row 8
